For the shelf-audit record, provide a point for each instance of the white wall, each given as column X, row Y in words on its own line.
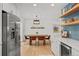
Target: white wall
column 48, row 16
column 29, row 23
column 9, row 7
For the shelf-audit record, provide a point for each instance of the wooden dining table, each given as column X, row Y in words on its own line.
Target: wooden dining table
column 37, row 37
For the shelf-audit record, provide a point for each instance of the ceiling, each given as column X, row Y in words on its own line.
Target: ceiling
column 27, row 8
column 43, row 10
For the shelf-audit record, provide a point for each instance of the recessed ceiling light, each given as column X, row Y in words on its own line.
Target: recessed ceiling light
column 52, row 5
column 34, row 4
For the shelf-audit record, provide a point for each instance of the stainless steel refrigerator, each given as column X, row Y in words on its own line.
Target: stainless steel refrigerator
column 10, row 34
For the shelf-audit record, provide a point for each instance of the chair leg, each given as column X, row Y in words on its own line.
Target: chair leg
column 36, row 42
column 43, row 42
column 30, row 42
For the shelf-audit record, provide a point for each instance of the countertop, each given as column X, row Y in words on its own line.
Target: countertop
column 71, row 42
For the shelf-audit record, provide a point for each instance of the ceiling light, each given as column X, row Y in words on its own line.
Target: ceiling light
column 52, row 4
column 34, row 4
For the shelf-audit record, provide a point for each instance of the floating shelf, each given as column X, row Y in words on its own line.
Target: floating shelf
column 70, row 23
column 74, row 9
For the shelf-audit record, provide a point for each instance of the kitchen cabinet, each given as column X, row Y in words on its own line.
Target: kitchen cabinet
column 75, row 52
column 55, row 47
column 55, row 44
column 74, row 44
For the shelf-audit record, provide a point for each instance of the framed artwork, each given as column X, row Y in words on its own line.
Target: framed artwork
column 56, row 29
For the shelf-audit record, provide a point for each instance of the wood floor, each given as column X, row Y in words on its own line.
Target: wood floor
column 35, row 50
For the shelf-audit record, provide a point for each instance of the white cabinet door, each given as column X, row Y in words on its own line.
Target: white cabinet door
column 56, row 46
column 75, row 52
column 56, row 43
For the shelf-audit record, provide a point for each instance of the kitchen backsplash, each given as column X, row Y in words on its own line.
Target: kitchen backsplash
column 73, row 30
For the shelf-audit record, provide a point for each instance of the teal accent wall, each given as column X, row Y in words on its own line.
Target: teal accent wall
column 74, row 29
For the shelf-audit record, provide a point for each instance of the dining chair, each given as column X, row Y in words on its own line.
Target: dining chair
column 41, row 38
column 47, row 38
column 26, row 37
column 32, row 38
